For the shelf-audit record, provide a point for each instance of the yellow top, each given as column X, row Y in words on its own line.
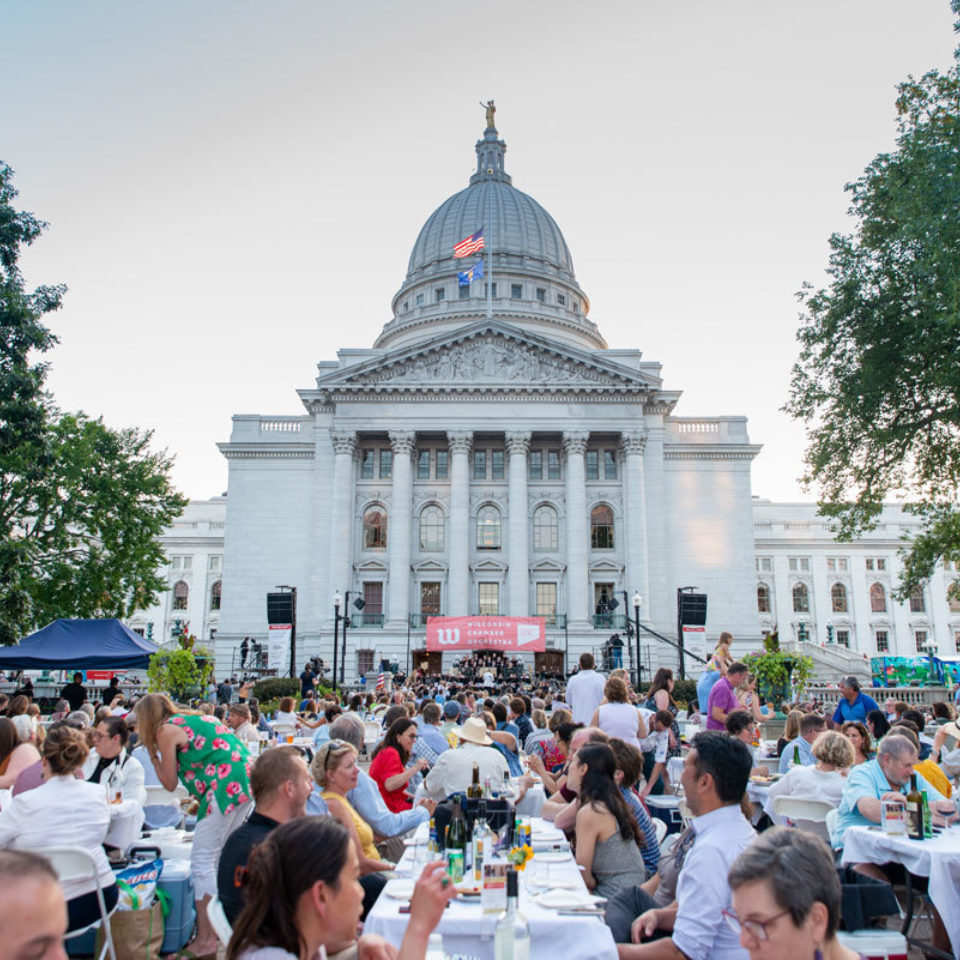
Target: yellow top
column 364, row 830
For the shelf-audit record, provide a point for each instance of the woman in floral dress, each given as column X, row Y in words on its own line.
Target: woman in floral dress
column 214, row 765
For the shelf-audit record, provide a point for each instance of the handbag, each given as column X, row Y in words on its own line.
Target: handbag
column 137, row 934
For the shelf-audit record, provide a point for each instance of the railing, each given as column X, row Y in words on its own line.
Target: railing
column 420, row 619
column 280, row 426
column 609, row 621
column 556, row 621
column 366, row 620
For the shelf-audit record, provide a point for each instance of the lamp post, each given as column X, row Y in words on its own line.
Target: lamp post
column 931, row 648
column 337, row 604
column 637, row 604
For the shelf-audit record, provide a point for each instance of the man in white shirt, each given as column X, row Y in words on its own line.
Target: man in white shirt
column 656, row 744
column 453, row 771
column 240, row 721
column 109, row 763
column 585, row 690
column 715, row 775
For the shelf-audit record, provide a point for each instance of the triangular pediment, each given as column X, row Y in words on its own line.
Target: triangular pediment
column 547, row 566
column 487, row 355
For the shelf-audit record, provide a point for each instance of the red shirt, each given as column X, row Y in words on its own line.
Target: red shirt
column 386, row 764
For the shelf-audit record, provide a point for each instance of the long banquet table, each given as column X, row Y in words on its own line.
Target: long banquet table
column 468, row 931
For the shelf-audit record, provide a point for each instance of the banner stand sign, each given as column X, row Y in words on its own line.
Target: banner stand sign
column 504, row 634
column 278, row 648
column 695, row 641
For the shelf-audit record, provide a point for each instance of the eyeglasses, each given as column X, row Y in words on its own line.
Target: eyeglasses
column 334, row 746
column 756, row 928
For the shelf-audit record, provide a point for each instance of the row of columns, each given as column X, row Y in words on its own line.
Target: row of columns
column 399, row 546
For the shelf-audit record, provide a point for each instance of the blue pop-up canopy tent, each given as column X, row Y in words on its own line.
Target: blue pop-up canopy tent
column 80, row 645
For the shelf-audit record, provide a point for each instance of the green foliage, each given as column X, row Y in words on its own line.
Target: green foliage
column 181, row 671
column 81, row 505
column 877, row 380
column 686, row 690
column 273, row 688
column 777, row 672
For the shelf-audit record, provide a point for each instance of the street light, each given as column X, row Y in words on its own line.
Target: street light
column 337, row 604
column 637, row 604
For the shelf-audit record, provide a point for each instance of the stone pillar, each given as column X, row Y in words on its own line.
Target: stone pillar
column 660, row 610
column 399, row 525
column 575, row 446
column 458, row 584
column 341, row 512
column 632, row 444
column 518, row 446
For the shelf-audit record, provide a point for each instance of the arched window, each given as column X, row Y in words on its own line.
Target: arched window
column 878, row 598
column 431, row 528
column 546, row 530
column 181, row 593
column 838, row 598
column 375, row 529
column 601, row 527
column 215, row 595
column 801, row 598
column 763, row 598
column 917, row 603
column 488, row 528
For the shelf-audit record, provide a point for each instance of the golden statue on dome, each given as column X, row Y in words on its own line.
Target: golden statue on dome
column 491, row 110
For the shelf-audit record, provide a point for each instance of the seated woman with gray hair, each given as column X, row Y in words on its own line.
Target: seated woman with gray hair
column 786, row 898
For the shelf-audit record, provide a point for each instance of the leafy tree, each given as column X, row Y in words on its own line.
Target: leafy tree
column 878, row 379
column 81, row 505
column 181, row 671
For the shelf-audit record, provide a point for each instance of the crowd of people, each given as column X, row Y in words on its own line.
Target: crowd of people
column 332, row 818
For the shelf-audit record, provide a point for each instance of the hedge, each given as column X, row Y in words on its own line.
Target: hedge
column 273, row 688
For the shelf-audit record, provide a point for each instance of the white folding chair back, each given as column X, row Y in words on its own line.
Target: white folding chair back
column 806, row 813
column 76, row 863
column 831, row 824
column 685, row 815
column 218, row 920
column 284, row 730
column 372, row 731
column 159, row 796
column 660, row 828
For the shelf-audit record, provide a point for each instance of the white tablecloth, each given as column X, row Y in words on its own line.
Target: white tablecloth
column 938, row 859
column 467, row 930
column 126, row 821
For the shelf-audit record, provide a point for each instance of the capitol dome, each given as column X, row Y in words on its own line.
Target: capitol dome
column 525, row 254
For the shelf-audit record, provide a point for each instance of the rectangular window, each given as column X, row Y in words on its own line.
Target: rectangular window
column 406, row 305
column 536, row 464
column 541, row 294
column 386, row 464
column 373, row 598
column 464, row 293
column 516, row 291
column 917, row 603
column 479, row 464
column 441, row 465
column 488, row 597
column 843, row 638
column 764, row 564
column 496, row 464
column 440, row 294
column 799, row 564
column 419, row 299
column 876, row 563
column 869, row 563
column 547, row 600
column 364, row 662
column 956, row 640
column 576, row 306
column 609, row 465
column 366, row 465
column 423, row 465
column 138, row 630
column 430, row 599
column 881, row 563
column 920, row 638
column 837, row 564
column 553, row 464
column 561, row 299
column 593, row 465
column 216, row 563
column 883, row 641
column 490, row 290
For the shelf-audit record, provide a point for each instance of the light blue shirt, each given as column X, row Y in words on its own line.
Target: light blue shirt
column 807, row 759
column 700, row 930
column 316, row 805
column 368, row 802
column 869, row 780
column 322, row 735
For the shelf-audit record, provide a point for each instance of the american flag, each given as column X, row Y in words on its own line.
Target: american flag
column 472, row 244
column 379, row 681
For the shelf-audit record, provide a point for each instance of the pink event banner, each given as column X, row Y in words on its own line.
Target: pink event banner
column 511, row 634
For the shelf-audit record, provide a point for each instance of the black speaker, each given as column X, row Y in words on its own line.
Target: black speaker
column 280, row 607
column 693, row 609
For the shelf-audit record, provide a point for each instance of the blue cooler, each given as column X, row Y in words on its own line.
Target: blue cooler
column 175, row 882
column 666, row 808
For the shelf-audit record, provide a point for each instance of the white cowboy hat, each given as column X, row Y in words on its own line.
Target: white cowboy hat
column 474, row 731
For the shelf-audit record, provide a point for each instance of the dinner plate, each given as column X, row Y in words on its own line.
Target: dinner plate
column 553, row 856
column 399, row 889
column 565, row 899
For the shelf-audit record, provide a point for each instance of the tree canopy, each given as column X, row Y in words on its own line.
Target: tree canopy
column 878, row 378
column 81, row 505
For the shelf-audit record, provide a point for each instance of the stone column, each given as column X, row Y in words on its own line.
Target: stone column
column 341, row 512
column 399, row 525
column 518, row 446
column 632, row 444
column 575, row 446
column 458, row 583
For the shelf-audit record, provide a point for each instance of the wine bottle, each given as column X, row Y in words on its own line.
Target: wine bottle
column 457, row 831
column 475, row 791
column 914, row 810
column 796, row 756
column 511, row 940
column 481, row 841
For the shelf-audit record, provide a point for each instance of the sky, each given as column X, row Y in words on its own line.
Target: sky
column 233, row 188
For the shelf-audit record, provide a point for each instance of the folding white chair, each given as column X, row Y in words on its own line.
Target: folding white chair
column 685, row 815
column 160, row 796
column 805, row 813
column 284, row 730
column 218, row 920
column 75, row 863
column 660, row 828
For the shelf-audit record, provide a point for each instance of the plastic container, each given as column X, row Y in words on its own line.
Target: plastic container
column 176, row 883
column 876, row 944
column 666, row 807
